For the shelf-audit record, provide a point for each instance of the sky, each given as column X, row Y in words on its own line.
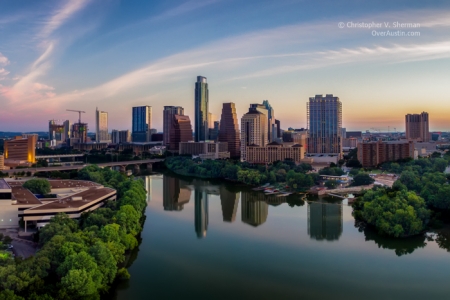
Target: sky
column 111, row 54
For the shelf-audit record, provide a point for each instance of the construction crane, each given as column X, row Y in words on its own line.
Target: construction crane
column 79, row 113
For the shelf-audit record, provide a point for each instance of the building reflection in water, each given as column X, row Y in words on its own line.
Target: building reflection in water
column 148, row 187
column 254, row 208
column 230, row 202
column 175, row 193
column 201, row 212
column 324, row 221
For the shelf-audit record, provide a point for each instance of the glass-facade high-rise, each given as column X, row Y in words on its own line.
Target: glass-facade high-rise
column 201, row 109
column 101, row 126
column 325, row 125
column 141, row 123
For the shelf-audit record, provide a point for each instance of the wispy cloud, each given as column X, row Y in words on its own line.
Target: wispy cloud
column 60, row 16
column 184, row 8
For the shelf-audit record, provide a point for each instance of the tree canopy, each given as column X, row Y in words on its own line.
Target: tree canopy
column 38, row 186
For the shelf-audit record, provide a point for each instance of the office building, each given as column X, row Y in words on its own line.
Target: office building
column 254, row 129
column 324, row 221
column 296, row 136
column 278, row 128
column 205, row 150
column 101, row 126
column 141, row 124
column 77, row 197
column 181, row 131
column 214, row 131
column 201, row 212
column 201, row 109
column 21, row 149
column 271, row 125
column 273, row 152
column 417, row 127
column 168, row 121
column 324, row 116
column 120, row 136
column 229, row 129
column 372, row 154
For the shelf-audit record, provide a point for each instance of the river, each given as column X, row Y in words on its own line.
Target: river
column 215, row 240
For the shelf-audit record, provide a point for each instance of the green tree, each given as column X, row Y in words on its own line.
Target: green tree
column 362, row 179
column 38, row 186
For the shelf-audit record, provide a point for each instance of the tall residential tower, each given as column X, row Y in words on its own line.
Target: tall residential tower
column 201, row 109
column 101, row 126
column 417, row 127
column 325, row 125
column 254, row 129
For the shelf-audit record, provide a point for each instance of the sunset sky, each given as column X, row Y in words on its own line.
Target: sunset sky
column 80, row 54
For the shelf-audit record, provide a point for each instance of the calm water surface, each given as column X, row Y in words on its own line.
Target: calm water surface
column 213, row 240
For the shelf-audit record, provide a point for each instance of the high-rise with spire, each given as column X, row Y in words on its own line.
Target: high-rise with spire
column 229, row 129
column 201, row 109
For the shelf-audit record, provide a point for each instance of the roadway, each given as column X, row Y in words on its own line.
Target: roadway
column 78, row 167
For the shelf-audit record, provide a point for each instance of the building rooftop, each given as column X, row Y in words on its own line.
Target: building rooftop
column 84, row 197
column 4, row 185
column 23, row 196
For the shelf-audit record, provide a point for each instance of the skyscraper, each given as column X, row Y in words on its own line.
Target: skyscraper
column 168, row 121
column 201, row 109
column 142, row 123
column 101, row 126
column 254, row 128
column 229, row 129
column 325, row 124
column 417, row 127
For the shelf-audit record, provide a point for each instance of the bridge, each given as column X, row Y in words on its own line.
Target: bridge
column 59, row 156
column 121, row 164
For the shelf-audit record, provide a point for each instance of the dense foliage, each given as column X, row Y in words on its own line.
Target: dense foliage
column 425, row 177
column 332, row 171
column 393, row 213
column 362, row 178
column 38, row 186
column 287, row 171
column 79, row 260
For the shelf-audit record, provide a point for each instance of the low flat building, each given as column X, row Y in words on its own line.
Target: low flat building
column 90, row 146
column 273, row 152
column 138, row 148
column 205, row 150
column 372, row 154
column 73, row 198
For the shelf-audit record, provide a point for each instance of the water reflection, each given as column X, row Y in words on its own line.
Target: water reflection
column 324, row 221
column 229, row 201
column 148, row 187
column 400, row 246
column 175, row 193
column 254, row 208
column 201, row 212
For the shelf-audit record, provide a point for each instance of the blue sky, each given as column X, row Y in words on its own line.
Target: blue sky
column 58, row 55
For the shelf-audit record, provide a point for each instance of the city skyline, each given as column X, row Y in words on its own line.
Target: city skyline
column 65, row 55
